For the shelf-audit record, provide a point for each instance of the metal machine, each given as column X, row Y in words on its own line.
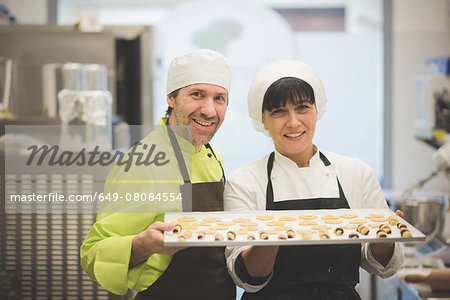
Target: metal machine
column 39, row 252
column 432, row 124
column 428, row 212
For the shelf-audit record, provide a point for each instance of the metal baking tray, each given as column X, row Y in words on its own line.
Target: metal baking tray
column 194, row 223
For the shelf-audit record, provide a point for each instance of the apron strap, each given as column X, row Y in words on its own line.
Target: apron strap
column 269, row 188
column 178, row 155
column 218, row 161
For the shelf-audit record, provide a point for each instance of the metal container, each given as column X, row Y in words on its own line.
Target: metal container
column 51, row 85
column 6, row 74
column 96, row 77
column 74, row 77
column 426, row 213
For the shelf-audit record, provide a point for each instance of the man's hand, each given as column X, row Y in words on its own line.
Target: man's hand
column 383, row 251
column 151, row 241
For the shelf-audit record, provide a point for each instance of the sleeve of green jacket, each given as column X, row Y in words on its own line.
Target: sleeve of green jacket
column 105, row 254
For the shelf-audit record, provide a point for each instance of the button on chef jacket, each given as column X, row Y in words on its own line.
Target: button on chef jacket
column 246, row 190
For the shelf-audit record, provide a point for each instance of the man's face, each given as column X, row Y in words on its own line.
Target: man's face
column 201, row 106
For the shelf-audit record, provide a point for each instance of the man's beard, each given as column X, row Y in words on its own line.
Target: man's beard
column 186, row 131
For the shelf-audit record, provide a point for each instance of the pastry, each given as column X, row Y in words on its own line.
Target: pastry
column 329, row 217
column 218, row 237
column 332, row 221
column 218, row 228
column 252, row 228
column 386, row 228
column 393, row 220
column 374, row 225
column 348, row 216
column 264, row 218
column 321, row 228
column 241, row 220
column 201, row 235
column 242, row 231
column 350, row 226
column 177, row 229
column 271, row 232
column 190, row 227
column 363, row 229
column 212, row 220
column 188, row 234
column 307, row 217
column 306, row 236
column 248, row 224
column 187, row 219
column 401, row 225
column 281, row 236
column 371, row 216
column 353, row 235
column 405, row 233
column 231, row 235
column 263, row 235
column 282, row 228
column 250, row 237
column 275, row 223
column 357, row 221
column 339, row 231
column 324, row 236
column 307, row 223
column 201, row 224
column 381, row 234
column 181, row 238
column 226, row 223
column 290, row 234
column 286, row 218
column 382, row 219
column 181, row 223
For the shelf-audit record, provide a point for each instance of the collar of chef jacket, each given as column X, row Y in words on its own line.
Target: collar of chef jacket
column 292, row 183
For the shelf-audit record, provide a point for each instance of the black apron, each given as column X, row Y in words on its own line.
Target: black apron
column 311, row 271
column 198, row 272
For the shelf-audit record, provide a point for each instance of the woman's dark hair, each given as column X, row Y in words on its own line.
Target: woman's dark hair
column 173, row 95
column 290, row 89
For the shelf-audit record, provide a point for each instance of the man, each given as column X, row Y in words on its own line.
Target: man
column 124, row 248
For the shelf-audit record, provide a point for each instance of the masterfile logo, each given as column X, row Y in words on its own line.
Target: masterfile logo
column 85, row 157
column 81, row 169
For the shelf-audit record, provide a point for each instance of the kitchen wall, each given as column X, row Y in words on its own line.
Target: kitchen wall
column 421, row 29
column 28, row 12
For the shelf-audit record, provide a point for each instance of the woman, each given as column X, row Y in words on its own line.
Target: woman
column 285, row 101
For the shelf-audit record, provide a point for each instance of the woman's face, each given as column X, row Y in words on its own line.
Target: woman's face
column 292, row 129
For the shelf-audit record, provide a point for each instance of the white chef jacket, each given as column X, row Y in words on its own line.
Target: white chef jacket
column 245, row 190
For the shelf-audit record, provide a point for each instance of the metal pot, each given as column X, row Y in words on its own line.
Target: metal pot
column 426, row 213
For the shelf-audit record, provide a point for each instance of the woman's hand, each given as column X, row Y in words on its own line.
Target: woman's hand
column 259, row 260
column 383, row 252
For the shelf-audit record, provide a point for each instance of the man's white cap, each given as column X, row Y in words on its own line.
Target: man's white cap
column 201, row 66
column 277, row 70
